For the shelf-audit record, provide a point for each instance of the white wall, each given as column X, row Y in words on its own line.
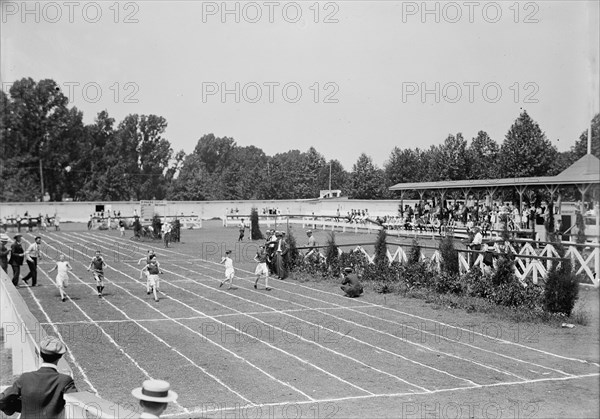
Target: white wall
column 80, row 211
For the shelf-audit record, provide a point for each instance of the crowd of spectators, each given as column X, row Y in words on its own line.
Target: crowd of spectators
column 29, row 222
column 424, row 217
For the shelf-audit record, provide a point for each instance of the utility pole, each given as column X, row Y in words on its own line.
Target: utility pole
column 329, row 178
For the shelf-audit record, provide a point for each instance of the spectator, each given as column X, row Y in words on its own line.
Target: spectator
column 154, row 397
column 4, row 252
column 32, row 255
column 17, row 254
column 351, row 285
column 39, row 394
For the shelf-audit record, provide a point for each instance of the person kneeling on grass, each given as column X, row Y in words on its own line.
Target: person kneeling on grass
column 351, row 285
column 62, row 275
column 152, row 282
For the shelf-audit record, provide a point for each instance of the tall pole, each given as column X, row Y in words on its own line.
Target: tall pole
column 41, row 180
column 330, row 178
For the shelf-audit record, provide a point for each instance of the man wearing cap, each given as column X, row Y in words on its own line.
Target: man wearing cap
column 311, row 244
column 4, row 252
column 40, row 392
column 32, row 255
column 351, row 285
column 17, row 255
column 154, row 397
column 279, row 256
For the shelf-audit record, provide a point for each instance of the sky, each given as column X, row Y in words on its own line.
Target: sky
column 346, row 77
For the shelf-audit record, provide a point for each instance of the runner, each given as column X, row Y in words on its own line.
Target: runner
column 98, row 264
column 261, row 268
column 229, row 271
column 62, row 276
column 152, row 270
column 147, row 260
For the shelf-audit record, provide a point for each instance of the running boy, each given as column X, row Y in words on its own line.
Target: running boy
column 152, row 270
column 261, row 268
column 98, row 264
column 62, row 275
column 229, row 271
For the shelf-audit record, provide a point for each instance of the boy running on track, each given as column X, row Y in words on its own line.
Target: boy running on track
column 261, row 268
column 152, row 270
column 62, row 276
column 229, row 271
column 98, row 264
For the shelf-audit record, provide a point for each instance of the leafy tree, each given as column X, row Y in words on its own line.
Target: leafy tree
column 526, row 151
column 366, row 180
column 483, row 156
column 449, row 160
column 339, row 177
column 404, row 166
column 580, row 148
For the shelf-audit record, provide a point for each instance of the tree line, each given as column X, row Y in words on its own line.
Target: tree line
column 43, row 140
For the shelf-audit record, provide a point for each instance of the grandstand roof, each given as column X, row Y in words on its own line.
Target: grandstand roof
column 586, row 170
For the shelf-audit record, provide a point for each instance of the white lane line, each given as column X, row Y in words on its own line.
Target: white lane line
column 307, row 340
column 286, row 312
column 378, row 331
column 193, row 317
column 119, row 347
column 205, row 338
column 73, row 361
column 379, row 396
column 372, row 305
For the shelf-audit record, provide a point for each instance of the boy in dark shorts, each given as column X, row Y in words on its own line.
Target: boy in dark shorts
column 98, row 265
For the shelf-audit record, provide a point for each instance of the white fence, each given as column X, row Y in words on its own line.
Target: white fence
column 21, row 334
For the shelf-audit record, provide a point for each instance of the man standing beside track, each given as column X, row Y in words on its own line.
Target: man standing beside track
column 32, row 255
column 4, row 252
column 17, row 255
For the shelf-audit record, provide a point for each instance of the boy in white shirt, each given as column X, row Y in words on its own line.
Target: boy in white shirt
column 62, row 275
column 229, row 271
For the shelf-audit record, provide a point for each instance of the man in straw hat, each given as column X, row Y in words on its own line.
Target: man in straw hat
column 154, row 397
column 4, row 252
column 39, row 394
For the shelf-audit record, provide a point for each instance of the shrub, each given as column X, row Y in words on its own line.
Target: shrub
column 255, row 232
column 414, row 254
column 562, row 287
column 449, row 256
column 137, row 227
column 293, row 258
column 504, row 272
column 332, row 255
column 477, row 284
column 176, row 231
column 156, row 225
column 446, row 283
column 381, row 248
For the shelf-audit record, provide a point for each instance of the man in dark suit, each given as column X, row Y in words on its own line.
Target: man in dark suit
column 351, row 285
column 17, row 254
column 39, row 394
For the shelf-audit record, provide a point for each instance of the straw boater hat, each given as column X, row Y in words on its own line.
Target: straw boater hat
column 348, row 270
column 16, row 236
column 155, row 391
column 51, row 345
column 4, row 238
